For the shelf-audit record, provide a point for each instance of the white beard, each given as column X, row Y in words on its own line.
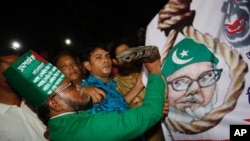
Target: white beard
column 190, row 113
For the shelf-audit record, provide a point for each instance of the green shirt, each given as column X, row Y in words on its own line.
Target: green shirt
column 112, row 126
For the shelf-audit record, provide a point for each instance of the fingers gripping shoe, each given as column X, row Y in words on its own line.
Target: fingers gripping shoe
column 146, row 54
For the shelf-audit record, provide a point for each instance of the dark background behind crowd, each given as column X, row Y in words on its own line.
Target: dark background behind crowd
column 44, row 25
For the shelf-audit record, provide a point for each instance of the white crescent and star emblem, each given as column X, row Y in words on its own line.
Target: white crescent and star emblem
column 179, row 60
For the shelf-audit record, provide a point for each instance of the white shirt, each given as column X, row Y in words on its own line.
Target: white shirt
column 20, row 124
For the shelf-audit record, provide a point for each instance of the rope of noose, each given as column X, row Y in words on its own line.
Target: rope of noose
column 237, row 71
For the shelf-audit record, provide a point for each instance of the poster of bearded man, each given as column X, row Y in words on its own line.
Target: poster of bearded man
column 205, row 53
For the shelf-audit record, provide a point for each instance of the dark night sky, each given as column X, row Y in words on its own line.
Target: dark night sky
column 45, row 24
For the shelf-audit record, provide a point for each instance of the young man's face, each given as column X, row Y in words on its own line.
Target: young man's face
column 100, row 64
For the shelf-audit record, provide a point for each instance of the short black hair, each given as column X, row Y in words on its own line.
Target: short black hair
column 90, row 48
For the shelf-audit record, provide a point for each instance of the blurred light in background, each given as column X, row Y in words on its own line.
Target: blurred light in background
column 68, row 41
column 15, row 45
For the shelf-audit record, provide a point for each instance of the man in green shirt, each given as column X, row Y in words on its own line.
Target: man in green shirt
column 62, row 110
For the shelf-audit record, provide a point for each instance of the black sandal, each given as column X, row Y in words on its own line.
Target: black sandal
column 146, row 54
